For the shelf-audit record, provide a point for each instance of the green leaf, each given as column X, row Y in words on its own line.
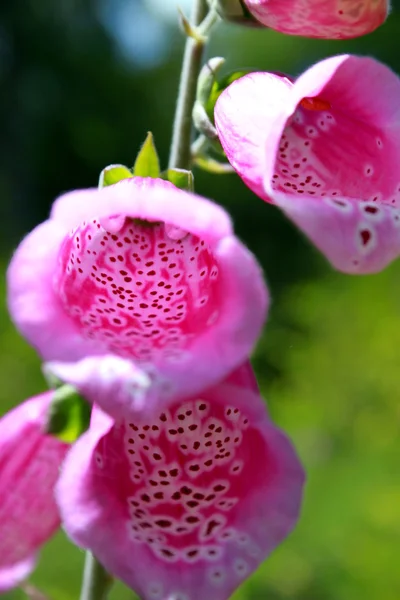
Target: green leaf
column 180, row 178
column 112, row 174
column 147, row 163
column 69, row 414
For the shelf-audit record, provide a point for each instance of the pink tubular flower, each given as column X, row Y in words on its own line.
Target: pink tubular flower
column 29, row 468
column 145, row 271
column 326, row 150
column 188, row 504
column 331, row 19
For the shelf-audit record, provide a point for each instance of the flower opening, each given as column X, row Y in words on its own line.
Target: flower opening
column 138, row 291
column 199, row 495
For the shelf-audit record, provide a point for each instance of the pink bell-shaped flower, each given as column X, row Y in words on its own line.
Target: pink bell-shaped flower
column 325, row 149
column 29, row 467
column 185, row 505
column 329, row 19
column 145, row 271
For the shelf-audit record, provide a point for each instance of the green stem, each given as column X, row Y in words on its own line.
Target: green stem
column 96, row 581
column 180, row 157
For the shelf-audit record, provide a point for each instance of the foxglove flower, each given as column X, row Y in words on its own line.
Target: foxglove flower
column 29, row 467
column 187, row 504
column 144, row 271
column 331, row 19
column 326, row 150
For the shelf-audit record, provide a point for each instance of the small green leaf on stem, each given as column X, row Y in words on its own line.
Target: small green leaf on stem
column 147, row 163
column 189, row 30
column 112, row 174
column 69, row 414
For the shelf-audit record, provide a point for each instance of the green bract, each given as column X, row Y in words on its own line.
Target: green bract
column 69, row 414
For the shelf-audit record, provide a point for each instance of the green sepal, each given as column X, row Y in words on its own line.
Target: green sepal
column 180, row 178
column 112, row 174
column 206, row 163
column 147, row 163
column 202, row 121
column 69, row 414
column 207, row 78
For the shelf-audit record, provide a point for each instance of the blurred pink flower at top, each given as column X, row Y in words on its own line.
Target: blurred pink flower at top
column 144, row 271
column 29, row 467
column 331, row 19
column 326, row 150
column 189, row 503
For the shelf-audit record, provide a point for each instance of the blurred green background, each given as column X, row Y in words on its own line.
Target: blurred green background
column 82, row 81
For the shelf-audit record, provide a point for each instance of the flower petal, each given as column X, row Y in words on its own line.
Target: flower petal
column 356, row 237
column 121, row 389
column 244, row 114
column 191, row 308
column 118, row 386
column 147, row 199
column 34, row 306
column 329, row 19
column 29, row 468
column 188, row 504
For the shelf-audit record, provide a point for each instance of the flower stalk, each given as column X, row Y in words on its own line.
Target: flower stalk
column 96, row 581
column 202, row 19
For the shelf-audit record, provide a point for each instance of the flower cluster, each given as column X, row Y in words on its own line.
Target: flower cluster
column 139, row 297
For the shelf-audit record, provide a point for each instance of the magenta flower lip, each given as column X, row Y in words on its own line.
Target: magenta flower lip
column 29, row 467
column 189, row 503
column 329, row 19
column 144, row 271
column 324, row 149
